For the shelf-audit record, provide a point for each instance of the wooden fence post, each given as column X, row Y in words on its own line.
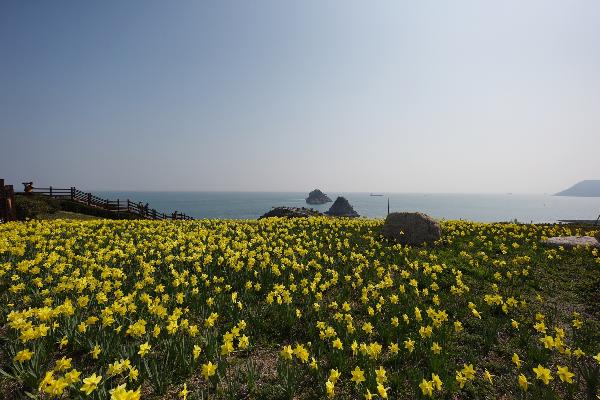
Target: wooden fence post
column 72, row 193
column 3, row 203
column 50, row 191
column 89, row 199
column 8, row 210
column 11, row 209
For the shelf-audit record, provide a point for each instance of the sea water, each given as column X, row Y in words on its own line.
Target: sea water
column 474, row 207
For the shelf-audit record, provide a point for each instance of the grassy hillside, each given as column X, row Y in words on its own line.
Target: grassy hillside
column 67, row 215
column 44, row 207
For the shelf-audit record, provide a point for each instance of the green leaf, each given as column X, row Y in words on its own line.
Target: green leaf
column 3, row 372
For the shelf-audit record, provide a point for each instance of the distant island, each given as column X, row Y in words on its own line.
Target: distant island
column 587, row 188
column 317, row 197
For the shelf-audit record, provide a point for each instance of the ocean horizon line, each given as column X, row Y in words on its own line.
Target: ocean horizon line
column 306, row 192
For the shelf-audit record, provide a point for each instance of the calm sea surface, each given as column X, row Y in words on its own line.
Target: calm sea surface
column 475, row 207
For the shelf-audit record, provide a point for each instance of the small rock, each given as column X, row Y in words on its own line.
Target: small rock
column 317, row 197
column 411, row 228
column 291, row 212
column 342, row 208
column 569, row 242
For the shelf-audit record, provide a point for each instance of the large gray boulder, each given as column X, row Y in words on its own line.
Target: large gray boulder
column 569, row 242
column 341, row 208
column 317, row 197
column 411, row 228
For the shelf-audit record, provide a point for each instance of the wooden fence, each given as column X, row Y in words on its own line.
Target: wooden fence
column 7, row 203
column 116, row 206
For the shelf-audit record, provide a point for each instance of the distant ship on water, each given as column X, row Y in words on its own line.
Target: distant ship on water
column 378, row 195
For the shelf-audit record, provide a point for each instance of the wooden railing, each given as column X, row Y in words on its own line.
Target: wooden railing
column 117, row 206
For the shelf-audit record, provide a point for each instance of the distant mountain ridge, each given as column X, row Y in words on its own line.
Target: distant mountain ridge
column 587, row 188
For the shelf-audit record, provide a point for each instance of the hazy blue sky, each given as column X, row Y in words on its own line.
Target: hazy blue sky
column 413, row 96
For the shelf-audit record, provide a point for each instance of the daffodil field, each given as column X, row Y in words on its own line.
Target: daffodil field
column 307, row 308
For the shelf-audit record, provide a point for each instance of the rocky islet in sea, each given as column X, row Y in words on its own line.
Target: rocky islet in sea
column 317, row 197
column 342, row 208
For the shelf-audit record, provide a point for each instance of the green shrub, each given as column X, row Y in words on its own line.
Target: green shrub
column 32, row 206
